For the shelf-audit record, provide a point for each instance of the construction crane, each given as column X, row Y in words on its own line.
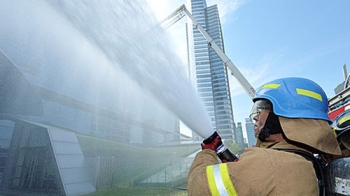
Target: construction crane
column 178, row 14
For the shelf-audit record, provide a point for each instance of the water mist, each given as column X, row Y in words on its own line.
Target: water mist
column 124, row 34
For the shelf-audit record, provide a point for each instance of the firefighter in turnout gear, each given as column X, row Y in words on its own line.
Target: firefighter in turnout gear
column 341, row 127
column 291, row 124
column 337, row 170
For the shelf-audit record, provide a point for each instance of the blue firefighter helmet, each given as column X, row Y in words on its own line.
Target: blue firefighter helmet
column 341, row 127
column 295, row 98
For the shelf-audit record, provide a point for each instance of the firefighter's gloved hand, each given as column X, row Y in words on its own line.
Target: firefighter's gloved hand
column 212, row 142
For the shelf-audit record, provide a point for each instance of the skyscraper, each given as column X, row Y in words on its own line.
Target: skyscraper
column 239, row 137
column 207, row 71
column 249, row 126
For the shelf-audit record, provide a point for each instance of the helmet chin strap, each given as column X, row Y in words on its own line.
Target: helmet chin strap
column 272, row 126
column 264, row 133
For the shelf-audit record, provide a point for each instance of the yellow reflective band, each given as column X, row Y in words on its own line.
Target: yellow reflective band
column 342, row 120
column 309, row 94
column 274, row 86
column 227, row 180
column 219, row 180
column 211, row 181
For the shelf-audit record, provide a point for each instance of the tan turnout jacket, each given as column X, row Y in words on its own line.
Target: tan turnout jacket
column 260, row 171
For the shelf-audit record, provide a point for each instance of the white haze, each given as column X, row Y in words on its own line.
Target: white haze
column 120, row 36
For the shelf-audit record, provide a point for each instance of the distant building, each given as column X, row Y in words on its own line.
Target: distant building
column 48, row 97
column 249, row 125
column 207, row 71
column 239, row 137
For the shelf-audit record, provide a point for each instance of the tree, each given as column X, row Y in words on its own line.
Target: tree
column 232, row 146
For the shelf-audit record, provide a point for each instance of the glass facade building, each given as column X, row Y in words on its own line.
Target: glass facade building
column 57, row 86
column 207, row 71
column 249, row 125
column 239, row 137
column 39, row 149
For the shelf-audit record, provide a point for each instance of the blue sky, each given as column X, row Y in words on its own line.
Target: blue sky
column 269, row 39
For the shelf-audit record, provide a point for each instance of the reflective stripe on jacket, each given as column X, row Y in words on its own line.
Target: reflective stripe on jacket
column 219, row 180
column 259, row 171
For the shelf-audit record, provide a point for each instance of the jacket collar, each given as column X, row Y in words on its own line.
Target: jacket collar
column 279, row 145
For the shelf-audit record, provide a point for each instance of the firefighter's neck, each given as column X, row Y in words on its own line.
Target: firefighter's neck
column 270, row 140
column 274, row 137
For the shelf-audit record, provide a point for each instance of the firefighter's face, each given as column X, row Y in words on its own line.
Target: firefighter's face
column 260, row 120
column 259, row 114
